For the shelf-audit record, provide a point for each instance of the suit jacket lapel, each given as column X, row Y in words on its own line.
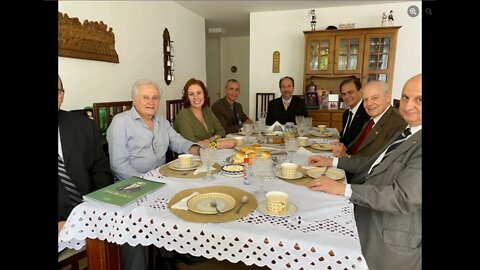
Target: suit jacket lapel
column 66, row 136
column 228, row 108
column 377, row 128
column 405, row 146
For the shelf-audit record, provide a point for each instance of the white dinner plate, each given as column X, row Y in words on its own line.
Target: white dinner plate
column 291, row 209
column 201, row 203
column 334, row 173
column 322, row 146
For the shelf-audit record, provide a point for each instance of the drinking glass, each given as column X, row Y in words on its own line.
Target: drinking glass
column 302, row 129
column 291, row 146
column 248, row 130
column 262, row 169
column 208, row 156
column 298, row 119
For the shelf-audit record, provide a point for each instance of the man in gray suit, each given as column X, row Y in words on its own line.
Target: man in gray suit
column 387, row 191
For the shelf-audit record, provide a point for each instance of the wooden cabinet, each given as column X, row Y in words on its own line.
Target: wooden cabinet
column 333, row 55
column 331, row 118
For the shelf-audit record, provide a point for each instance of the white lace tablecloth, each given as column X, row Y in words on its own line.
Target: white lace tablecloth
column 321, row 235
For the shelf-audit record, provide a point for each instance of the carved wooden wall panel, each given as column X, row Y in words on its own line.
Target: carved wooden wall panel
column 87, row 40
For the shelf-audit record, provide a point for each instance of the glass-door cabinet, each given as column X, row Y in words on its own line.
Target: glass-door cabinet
column 319, row 56
column 379, row 57
column 348, row 54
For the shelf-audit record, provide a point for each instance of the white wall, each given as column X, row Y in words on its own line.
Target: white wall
column 235, row 52
column 283, row 31
column 138, row 28
column 214, row 84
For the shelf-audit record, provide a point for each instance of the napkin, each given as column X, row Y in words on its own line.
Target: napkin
column 201, row 169
column 270, row 129
column 302, row 150
column 182, row 204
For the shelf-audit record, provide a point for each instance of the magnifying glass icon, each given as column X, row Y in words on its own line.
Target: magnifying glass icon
column 412, row 12
column 428, row 11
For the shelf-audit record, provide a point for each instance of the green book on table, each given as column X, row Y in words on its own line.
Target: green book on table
column 124, row 192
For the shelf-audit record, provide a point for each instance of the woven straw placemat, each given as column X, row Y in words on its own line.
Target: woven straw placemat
column 230, row 215
column 166, row 171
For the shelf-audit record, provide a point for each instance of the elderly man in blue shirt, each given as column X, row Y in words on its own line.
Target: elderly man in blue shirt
column 137, row 142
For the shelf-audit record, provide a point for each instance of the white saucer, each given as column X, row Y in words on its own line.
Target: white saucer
column 291, row 209
column 298, row 175
column 174, row 166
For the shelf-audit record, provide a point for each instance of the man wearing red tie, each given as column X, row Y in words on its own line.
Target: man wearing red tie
column 387, row 191
column 383, row 124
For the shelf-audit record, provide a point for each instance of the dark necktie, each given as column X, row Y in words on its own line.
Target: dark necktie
column 73, row 193
column 235, row 116
column 399, row 140
column 362, row 136
column 349, row 122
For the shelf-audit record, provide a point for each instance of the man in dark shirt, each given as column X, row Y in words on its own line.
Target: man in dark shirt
column 285, row 108
column 355, row 117
column 228, row 111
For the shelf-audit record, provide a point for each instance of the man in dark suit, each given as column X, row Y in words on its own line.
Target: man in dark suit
column 80, row 151
column 228, row 111
column 354, row 118
column 285, row 108
column 387, row 191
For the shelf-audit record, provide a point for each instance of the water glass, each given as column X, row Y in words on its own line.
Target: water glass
column 262, row 169
column 208, row 156
column 291, row 146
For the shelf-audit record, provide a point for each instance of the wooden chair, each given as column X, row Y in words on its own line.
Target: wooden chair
column 73, row 259
column 173, row 107
column 103, row 112
column 261, row 102
column 396, row 103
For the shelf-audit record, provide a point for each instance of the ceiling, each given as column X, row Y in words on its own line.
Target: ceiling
column 233, row 17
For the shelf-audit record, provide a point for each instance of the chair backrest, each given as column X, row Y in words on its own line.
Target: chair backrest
column 173, row 107
column 261, row 102
column 396, row 103
column 103, row 112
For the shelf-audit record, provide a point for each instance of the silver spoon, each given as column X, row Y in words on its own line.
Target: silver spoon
column 243, row 201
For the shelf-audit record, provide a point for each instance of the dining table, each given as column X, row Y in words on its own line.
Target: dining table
column 319, row 233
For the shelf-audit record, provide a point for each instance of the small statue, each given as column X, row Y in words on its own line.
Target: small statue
column 313, row 22
column 390, row 18
column 384, row 19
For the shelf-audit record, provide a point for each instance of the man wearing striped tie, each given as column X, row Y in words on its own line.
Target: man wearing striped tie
column 82, row 164
column 387, row 191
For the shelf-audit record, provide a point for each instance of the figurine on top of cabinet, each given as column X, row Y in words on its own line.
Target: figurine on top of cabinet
column 384, row 19
column 313, row 22
column 390, row 18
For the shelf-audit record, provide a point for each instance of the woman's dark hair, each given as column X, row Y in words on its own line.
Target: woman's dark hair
column 192, row 81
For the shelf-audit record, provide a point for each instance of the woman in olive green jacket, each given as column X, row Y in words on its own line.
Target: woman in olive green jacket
column 196, row 121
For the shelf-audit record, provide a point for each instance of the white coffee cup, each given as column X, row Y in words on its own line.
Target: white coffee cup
column 239, row 140
column 289, row 170
column 185, row 160
column 302, row 141
column 277, row 202
column 322, row 128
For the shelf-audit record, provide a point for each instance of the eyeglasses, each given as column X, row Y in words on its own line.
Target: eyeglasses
column 60, row 91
